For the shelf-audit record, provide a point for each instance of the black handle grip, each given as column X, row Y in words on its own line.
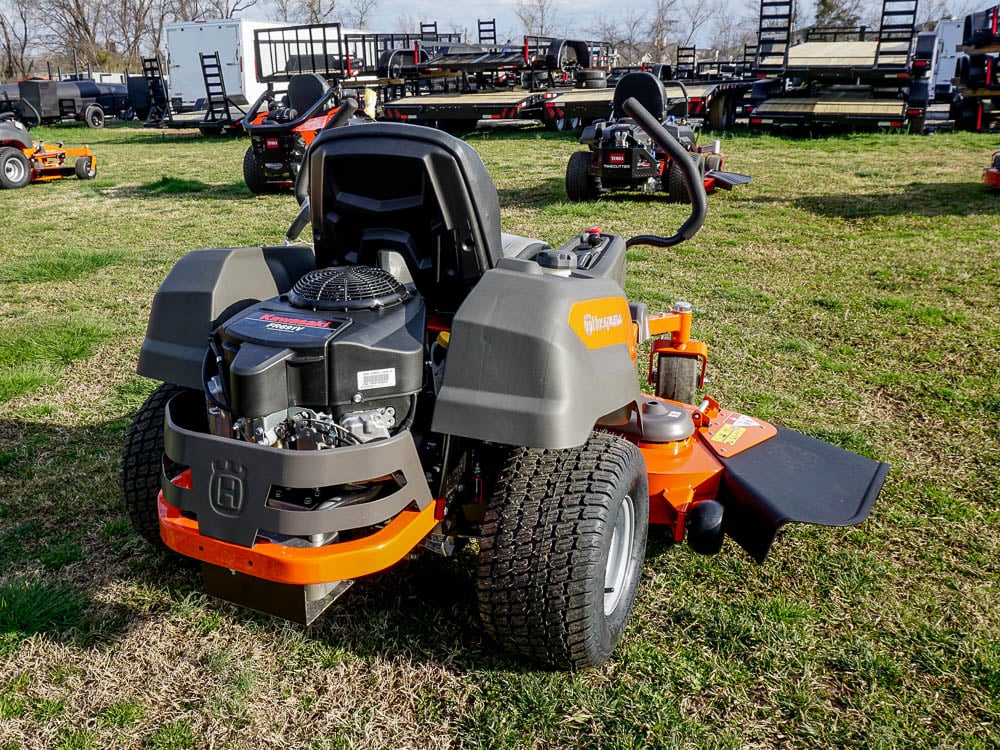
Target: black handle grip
column 689, row 170
column 347, row 108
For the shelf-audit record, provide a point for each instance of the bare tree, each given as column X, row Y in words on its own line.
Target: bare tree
column 539, row 17
column 628, row 34
column 407, row 23
column 187, row 10
column 74, row 26
column 838, row 13
column 730, row 32
column 693, row 16
column 358, row 13
column 229, row 8
column 16, row 20
column 662, row 28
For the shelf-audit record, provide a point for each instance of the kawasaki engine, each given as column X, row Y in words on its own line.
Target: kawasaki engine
column 339, row 360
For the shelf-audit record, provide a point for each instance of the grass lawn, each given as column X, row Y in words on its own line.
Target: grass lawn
column 852, row 291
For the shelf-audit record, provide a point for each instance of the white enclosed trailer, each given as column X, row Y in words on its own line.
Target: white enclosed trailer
column 232, row 38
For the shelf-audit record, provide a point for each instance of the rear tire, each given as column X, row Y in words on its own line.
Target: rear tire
column 84, row 168
column 580, row 184
column 677, row 378
column 94, row 116
column 562, row 551
column 142, row 460
column 253, row 176
column 15, row 171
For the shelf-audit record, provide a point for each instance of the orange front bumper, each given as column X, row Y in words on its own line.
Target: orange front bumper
column 339, row 561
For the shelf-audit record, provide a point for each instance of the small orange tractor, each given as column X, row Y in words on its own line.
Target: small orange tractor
column 23, row 161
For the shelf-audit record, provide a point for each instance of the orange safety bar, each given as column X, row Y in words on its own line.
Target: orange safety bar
column 339, row 561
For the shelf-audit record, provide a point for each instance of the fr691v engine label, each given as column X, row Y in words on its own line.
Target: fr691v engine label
column 368, row 379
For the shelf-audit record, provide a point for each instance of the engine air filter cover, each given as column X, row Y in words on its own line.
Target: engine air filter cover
column 347, row 288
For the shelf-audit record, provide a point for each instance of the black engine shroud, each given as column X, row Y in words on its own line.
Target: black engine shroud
column 277, row 355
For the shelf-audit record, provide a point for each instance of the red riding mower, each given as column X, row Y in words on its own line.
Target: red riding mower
column 23, row 161
column 623, row 156
column 416, row 378
column 281, row 132
column 991, row 175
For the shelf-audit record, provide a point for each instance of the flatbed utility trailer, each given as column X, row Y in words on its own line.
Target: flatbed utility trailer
column 712, row 103
column 463, row 111
column 837, row 78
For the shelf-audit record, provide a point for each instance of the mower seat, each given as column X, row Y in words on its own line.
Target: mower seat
column 304, row 90
column 408, row 189
column 516, row 246
column 646, row 88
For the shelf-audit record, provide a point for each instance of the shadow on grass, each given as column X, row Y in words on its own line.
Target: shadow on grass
column 542, row 193
column 167, row 187
column 917, row 199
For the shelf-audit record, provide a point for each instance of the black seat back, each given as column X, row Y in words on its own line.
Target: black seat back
column 409, row 189
column 646, row 88
column 304, row 90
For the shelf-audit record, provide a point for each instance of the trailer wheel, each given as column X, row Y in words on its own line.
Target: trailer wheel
column 677, row 378
column 562, row 550
column 142, row 460
column 717, row 114
column 94, row 116
column 15, row 171
column 84, row 168
column 253, row 176
column 580, row 184
column 566, row 123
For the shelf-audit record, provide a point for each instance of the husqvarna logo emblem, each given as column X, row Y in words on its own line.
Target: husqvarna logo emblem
column 226, row 490
column 594, row 323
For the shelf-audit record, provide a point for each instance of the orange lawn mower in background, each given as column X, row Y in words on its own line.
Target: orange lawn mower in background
column 23, row 161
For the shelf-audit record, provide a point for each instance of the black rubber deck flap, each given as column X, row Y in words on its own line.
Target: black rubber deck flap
column 728, row 180
column 795, row 478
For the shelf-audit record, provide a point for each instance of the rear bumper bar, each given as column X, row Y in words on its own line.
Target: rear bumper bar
column 217, row 510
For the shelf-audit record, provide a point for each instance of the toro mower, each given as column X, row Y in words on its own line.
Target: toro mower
column 991, row 175
column 281, row 127
column 23, row 161
column 623, row 156
column 416, row 378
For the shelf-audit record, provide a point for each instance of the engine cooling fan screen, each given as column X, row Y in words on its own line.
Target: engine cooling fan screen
column 347, row 288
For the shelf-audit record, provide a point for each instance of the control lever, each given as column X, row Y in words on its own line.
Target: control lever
column 689, row 170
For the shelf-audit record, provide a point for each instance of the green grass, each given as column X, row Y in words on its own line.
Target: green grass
column 849, row 292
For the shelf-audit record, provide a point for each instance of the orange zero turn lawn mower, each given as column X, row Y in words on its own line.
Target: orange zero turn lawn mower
column 416, row 378
column 23, row 160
